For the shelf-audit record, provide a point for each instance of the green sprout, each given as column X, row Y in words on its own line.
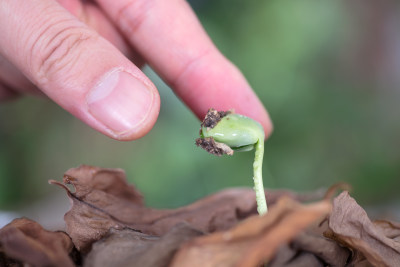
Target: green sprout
column 225, row 132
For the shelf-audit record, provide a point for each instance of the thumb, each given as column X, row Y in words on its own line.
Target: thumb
column 77, row 68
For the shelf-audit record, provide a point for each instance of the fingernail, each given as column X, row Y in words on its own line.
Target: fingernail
column 120, row 101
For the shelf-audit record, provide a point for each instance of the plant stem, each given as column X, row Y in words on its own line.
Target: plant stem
column 258, row 182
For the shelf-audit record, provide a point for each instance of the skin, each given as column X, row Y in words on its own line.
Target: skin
column 67, row 49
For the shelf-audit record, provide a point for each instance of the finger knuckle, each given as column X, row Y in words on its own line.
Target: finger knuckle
column 58, row 49
column 130, row 24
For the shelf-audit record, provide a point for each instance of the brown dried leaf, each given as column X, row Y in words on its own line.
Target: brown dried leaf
column 311, row 241
column 129, row 248
column 103, row 200
column 283, row 256
column 288, row 257
column 389, row 228
column 254, row 240
column 305, row 259
column 25, row 241
column 350, row 226
column 330, row 252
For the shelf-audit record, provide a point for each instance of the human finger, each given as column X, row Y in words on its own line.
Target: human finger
column 77, row 68
column 90, row 13
column 171, row 39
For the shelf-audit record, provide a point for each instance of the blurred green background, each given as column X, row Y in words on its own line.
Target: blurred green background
column 327, row 71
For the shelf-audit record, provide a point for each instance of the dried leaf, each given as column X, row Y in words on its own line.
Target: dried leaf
column 25, row 241
column 328, row 251
column 283, row 256
column 305, row 259
column 389, row 228
column 116, row 247
column 350, row 226
column 254, row 240
column 129, row 248
column 103, row 200
column 312, row 241
column 288, row 257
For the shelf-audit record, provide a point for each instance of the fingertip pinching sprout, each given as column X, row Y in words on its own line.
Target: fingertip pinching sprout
column 223, row 132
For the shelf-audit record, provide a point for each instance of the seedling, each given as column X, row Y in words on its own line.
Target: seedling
column 225, row 132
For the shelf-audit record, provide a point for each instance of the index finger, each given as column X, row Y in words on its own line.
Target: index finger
column 171, row 39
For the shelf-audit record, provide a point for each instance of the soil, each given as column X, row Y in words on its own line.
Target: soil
column 213, row 117
column 212, row 147
column 208, row 144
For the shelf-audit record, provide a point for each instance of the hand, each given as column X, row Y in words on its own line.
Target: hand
column 76, row 52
